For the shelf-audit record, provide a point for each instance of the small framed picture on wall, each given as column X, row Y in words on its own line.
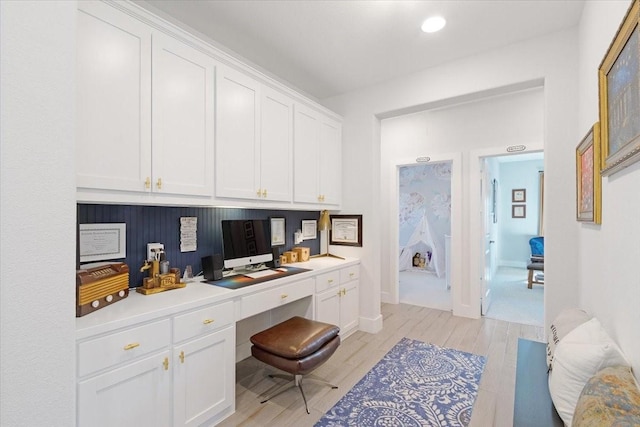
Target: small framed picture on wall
column 518, row 211
column 519, row 195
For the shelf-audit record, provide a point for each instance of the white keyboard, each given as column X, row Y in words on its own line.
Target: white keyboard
column 259, row 274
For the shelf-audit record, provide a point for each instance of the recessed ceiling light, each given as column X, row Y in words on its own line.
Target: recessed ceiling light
column 433, row 24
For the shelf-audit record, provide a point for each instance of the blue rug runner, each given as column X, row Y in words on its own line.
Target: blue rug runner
column 415, row 384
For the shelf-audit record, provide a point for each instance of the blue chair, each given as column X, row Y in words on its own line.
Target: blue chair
column 537, row 261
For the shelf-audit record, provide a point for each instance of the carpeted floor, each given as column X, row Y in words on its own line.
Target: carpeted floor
column 415, row 384
column 425, row 289
column 512, row 301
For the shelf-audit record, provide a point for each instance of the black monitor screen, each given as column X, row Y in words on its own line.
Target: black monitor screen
column 246, row 242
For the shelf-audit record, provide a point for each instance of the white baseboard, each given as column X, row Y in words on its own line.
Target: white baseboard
column 515, row 264
column 372, row 326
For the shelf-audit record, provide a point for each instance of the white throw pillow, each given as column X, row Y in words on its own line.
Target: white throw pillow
column 564, row 323
column 579, row 356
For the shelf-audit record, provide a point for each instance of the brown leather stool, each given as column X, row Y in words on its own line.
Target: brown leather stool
column 297, row 346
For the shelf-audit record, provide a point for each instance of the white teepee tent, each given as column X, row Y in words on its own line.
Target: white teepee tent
column 420, row 239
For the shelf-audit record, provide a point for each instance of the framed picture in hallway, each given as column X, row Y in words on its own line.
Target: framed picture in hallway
column 619, row 85
column 518, row 211
column 519, row 195
column 588, row 178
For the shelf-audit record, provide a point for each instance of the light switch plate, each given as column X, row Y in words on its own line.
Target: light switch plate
column 150, row 250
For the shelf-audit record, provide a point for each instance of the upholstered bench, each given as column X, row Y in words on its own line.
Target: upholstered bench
column 297, row 346
column 533, row 406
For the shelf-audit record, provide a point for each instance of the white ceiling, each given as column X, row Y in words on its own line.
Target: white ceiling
column 326, row 48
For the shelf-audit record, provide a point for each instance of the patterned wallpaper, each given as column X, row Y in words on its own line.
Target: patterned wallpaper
column 425, row 212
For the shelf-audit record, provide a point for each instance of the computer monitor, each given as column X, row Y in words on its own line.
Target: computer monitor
column 246, row 242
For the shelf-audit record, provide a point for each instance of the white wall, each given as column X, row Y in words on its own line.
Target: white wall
column 551, row 60
column 38, row 213
column 609, row 254
column 514, row 233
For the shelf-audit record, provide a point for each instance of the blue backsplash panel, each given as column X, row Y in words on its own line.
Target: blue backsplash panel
column 148, row 224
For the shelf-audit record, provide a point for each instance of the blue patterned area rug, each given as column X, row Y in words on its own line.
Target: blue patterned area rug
column 415, row 384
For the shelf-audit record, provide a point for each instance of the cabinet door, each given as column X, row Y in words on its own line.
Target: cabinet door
column 204, row 382
column 330, row 157
column 349, row 307
column 305, row 162
column 113, row 90
column 138, row 394
column 183, row 118
column 237, row 139
column 328, row 306
column 275, row 145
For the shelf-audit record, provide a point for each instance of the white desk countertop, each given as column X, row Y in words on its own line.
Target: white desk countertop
column 137, row 308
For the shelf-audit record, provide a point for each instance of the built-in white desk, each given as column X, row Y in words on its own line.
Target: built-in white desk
column 168, row 359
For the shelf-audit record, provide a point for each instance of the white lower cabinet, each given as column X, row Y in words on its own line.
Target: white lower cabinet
column 137, row 377
column 204, row 365
column 204, row 378
column 177, row 367
column 136, row 394
column 338, row 300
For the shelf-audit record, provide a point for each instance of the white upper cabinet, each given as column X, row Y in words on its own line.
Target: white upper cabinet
column 183, row 118
column 317, row 158
column 253, row 143
column 330, row 158
column 306, row 142
column 164, row 118
column 125, row 71
column 276, row 151
column 113, row 131
column 237, row 138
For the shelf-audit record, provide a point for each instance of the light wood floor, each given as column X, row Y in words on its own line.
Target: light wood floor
column 495, row 339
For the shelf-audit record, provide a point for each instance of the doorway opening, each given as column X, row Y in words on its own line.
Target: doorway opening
column 511, row 214
column 424, row 233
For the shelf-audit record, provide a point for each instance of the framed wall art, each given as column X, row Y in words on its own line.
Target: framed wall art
column 518, row 211
column 346, row 230
column 309, row 229
column 277, row 231
column 619, row 86
column 519, row 195
column 589, row 180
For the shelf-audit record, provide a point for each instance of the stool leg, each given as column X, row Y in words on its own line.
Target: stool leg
column 318, row 380
column 288, row 386
column 298, row 382
column 530, row 279
column 284, row 388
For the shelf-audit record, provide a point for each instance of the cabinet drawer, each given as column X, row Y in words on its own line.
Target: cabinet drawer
column 266, row 300
column 120, row 347
column 202, row 321
column 327, row 280
column 348, row 274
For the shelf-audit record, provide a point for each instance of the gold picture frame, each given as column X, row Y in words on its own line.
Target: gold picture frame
column 619, row 89
column 588, row 178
